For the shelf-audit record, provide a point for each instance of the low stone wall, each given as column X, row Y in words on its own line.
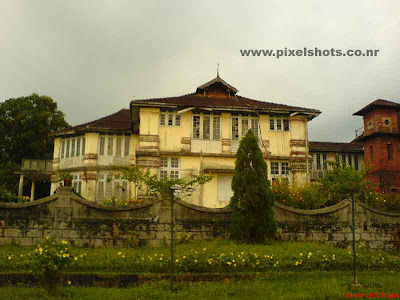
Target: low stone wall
column 66, row 216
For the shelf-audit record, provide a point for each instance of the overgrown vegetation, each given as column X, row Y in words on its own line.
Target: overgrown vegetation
column 252, row 214
column 339, row 184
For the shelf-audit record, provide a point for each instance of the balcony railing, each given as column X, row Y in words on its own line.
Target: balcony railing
column 384, row 127
column 38, row 165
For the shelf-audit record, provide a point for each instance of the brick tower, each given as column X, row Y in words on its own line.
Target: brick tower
column 381, row 139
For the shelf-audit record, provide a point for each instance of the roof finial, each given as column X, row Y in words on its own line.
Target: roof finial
column 218, row 70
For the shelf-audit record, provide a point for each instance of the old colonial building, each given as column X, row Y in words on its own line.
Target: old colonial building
column 183, row 136
column 322, row 153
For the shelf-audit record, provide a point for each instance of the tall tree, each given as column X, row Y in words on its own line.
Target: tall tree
column 252, row 214
column 25, row 125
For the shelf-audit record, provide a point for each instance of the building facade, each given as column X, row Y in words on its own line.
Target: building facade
column 351, row 154
column 183, row 136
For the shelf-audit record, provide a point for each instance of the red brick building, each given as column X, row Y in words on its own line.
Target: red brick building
column 380, row 136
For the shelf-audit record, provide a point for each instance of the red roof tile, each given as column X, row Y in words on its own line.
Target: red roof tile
column 377, row 103
column 214, row 101
column 119, row 121
column 335, row 147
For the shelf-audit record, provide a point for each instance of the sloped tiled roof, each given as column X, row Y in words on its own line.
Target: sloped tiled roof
column 335, row 147
column 222, row 100
column 199, row 100
column 119, row 121
column 377, row 103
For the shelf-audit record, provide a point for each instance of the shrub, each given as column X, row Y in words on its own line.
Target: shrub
column 252, row 214
column 7, row 196
column 48, row 261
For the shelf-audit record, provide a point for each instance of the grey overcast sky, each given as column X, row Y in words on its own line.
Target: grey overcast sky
column 92, row 57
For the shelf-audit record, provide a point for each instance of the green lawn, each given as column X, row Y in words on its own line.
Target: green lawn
column 212, row 256
column 290, row 285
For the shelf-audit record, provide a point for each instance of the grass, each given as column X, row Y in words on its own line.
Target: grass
column 291, row 285
column 211, row 256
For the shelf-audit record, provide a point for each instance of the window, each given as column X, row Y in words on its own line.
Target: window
column 73, row 148
column 241, row 124
column 83, row 145
column 279, row 169
column 245, row 126
column 285, row 168
column 67, row 151
column 177, row 120
column 206, row 127
column 350, row 160
column 274, row 168
column 324, row 161
column 318, row 162
column 343, row 159
column 102, row 143
column 279, row 124
column 356, row 162
column 235, row 128
column 78, row 146
column 162, row 119
column 216, row 128
column 286, row 124
column 390, row 151
column 126, row 152
column 254, row 126
column 271, row 124
column 169, row 167
column 170, row 119
column 118, row 146
column 110, row 141
column 111, row 185
column 62, row 148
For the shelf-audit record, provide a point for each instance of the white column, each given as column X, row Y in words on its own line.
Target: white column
column 33, row 191
column 21, row 185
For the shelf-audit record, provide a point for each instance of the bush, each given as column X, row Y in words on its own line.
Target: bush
column 304, row 197
column 7, row 196
column 48, row 261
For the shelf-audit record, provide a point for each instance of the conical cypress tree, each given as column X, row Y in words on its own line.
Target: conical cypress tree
column 252, row 214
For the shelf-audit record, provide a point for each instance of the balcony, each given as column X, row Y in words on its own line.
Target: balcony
column 37, row 165
column 381, row 127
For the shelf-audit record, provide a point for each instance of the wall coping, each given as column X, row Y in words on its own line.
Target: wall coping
column 379, row 212
column 30, row 204
column 225, row 209
column 313, row 212
column 95, row 205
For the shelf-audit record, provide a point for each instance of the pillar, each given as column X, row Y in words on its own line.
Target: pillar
column 21, row 185
column 33, row 191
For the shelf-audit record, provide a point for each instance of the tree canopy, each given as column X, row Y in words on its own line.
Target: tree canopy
column 252, row 214
column 25, row 125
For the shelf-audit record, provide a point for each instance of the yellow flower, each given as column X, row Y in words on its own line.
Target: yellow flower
column 47, row 237
column 69, row 282
column 297, row 263
column 123, row 256
column 9, row 258
column 229, row 263
column 75, row 258
column 65, row 242
column 301, row 254
column 195, row 261
column 176, row 260
column 184, row 257
column 204, row 249
column 64, row 255
column 160, row 258
column 119, row 253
